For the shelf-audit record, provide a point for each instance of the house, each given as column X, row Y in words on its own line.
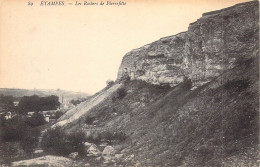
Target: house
column 47, row 118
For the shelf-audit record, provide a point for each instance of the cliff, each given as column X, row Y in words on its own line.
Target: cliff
column 149, row 123
column 212, row 45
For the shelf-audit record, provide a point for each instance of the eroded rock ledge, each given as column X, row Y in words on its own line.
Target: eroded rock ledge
column 213, row 44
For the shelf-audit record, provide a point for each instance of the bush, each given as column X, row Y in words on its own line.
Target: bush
column 237, row 85
column 89, row 120
column 30, row 140
column 16, row 130
column 76, row 140
column 37, row 119
column 112, row 138
column 13, row 130
column 110, row 83
column 125, row 78
column 78, row 101
column 107, row 137
column 56, row 141
column 36, row 103
column 58, row 114
column 113, row 99
column 95, row 140
column 121, row 92
column 187, row 84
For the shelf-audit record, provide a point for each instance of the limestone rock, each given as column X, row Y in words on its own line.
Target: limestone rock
column 212, row 45
column 109, row 150
column 87, row 164
column 119, row 156
column 38, row 151
column 87, row 144
column 93, row 150
column 73, row 155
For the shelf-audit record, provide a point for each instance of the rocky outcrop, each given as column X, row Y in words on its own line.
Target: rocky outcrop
column 212, row 45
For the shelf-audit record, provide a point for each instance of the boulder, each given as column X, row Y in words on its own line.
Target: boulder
column 109, row 150
column 87, row 164
column 73, row 155
column 118, row 156
column 38, row 151
column 93, row 150
column 87, row 144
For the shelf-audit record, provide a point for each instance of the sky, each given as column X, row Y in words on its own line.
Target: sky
column 79, row 48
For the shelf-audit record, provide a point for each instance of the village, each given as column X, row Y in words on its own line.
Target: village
column 64, row 103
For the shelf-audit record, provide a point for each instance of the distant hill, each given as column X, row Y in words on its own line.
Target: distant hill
column 42, row 92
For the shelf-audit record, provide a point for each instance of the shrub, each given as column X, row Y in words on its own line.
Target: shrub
column 56, row 141
column 58, row 114
column 113, row 99
column 95, row 140
column 78, row 101
column 121, row 93
column 76, row 140
column 110, row 83
column 37, row 119
column 30, row 140
column 110, row 137
column 13, row 130
column 119, row 136
column 89, row 120
column 187, row 84
column 36, row 103
column 237, row 85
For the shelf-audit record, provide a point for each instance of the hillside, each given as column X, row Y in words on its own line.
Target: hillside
column 191, row 99
column 215, row 124
column 41, row 92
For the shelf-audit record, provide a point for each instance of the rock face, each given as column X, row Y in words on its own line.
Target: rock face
column 212, row 45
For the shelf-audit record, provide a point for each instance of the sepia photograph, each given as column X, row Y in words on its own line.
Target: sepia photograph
column 129, row 83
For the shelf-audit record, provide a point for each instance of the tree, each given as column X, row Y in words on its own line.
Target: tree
column 36, row 103
column 58, row 114
column 13, row 129
column 29, row 140
column 78, row 101
column 6, row 103
column 110, row 83
column 121, row 93
column 57, row 142
column 37, row 119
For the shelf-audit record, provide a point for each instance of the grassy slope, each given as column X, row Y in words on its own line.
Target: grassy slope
column 213, row 125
